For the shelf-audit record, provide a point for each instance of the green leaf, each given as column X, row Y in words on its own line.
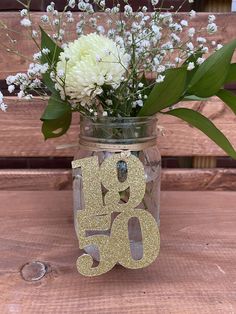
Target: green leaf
column 229, row 98
column 56, row 117
column 193, row 58
column 55, row 51
column 194, row 98
column 56, row 108
column 211, row 74
column 206, row 126
column 56, row 128
column 231, row 77
column 48, row 82
column 51, row 58
column 167, row 93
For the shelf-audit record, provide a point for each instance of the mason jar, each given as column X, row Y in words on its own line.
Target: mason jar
column 102, row 138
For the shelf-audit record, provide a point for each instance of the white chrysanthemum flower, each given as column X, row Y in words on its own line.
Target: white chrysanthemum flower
column 89, row 63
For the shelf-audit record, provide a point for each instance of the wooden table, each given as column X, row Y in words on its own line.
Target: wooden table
column 195, row 273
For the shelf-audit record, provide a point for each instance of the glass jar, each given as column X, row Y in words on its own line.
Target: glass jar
column 139, row 136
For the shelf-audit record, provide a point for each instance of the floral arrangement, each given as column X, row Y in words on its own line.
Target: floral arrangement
column 136, row 64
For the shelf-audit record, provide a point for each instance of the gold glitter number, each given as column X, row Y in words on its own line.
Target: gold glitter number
column 107, row 260
column 150, row 238
column 135, row 182
column 113, row 248
column 93, row 201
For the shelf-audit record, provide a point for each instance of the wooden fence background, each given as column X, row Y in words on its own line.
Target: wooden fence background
column 22, row 145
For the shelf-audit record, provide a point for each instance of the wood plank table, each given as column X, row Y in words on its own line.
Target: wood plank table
column 195, row 273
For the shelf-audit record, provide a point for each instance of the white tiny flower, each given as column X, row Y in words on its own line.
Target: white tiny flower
column 10, row 80
column 128, row 10
column 192, row 14
column 26, row 22
column 103, row 3
column 154, row 2
column 70, row 20
column 191, row 1
column 184, row 23
column 44, row 19
column 3, row 107
column 178, row 60
column 53, row 76
column 160, row 78
column 28, row 97
column 56, row 22
column 11, row 88
column 191, row 66
column 200, row 61
column 161, row 69
column 109, row 102
column 44, row 68
column 155, row 29
column 201, row 40
column 21, row 94
column 34, row 34
column 213, row 43
column 62, row 32
column 71, row 3
column 212, row 28
column 205, row 49
column 175, row 38
column 69, row 14
column 190, row 46
column 139, row 103
column 45, row 51
column 61, row 73
column 100, row 29
column 191, row 32
column 219, row 46
column 104, row 114
column 82, row 6
column 176, row 27
column 55, row 13
column 211, row 18
column 144, row 9
column 140, row 85
column 49, row 9
column 114, row 10
column 37, row 56
column 24, row 13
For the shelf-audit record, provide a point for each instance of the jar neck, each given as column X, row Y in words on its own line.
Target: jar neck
column 118, row 131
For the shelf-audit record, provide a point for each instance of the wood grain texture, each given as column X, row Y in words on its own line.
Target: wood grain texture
column 216, row 6
column 195, row 273
column 198, row 179
column 35, row 180
column 14, row 64
column 21, row 134
column 172, row 180
column 40, row 5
